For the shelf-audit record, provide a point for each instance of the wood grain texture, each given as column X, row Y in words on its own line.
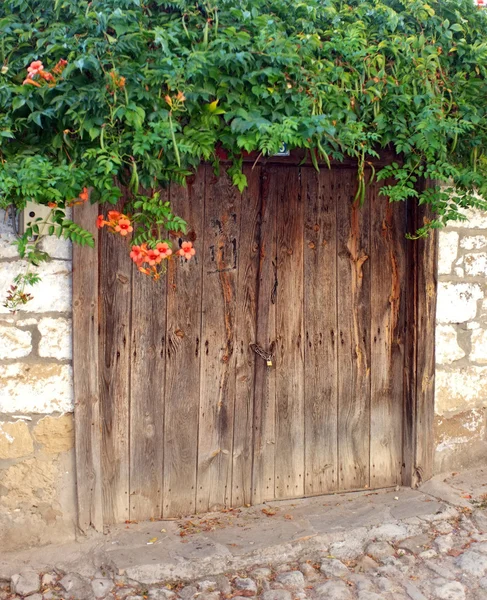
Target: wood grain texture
column 218, row 358
column 114, row 352
column 263, row 473
column 353, row 268
column 184, row 290
column 320, row 318
column 388, row 270
column 245, row 327
column 85, row 375
column 427, row 281
column 289, row 461
column 148, row 361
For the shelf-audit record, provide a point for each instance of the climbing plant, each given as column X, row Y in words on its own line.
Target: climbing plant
column 99, row 94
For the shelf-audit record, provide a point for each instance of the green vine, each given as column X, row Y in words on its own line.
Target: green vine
column 137, row 94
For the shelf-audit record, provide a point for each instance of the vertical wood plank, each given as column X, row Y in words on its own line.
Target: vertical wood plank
column 320, row 318
column 290, row 352
column 184, row 290
column 148, row 341
column 114, row 351
column 85, row 375
column 427, row 281
column 217, row 399
column 245, row 326
column 409, row 379
column 388, row 270
column 263, row 470
column 353, row 287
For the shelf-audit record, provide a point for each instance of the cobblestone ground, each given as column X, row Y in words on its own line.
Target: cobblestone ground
column 440, row 557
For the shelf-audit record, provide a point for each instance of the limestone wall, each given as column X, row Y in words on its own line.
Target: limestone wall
column 461, row 344
column 37, row 475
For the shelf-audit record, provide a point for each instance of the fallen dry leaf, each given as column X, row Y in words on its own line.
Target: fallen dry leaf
column 289, row 517
column 152, row 541
column 270, row 512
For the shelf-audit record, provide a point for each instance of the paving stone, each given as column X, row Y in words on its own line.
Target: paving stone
column 428, row 554
column 48, row 579
column 479, row 547
column 247, row 584
column 208, row 596
column 308, row 571
column 444, row 543
column 332, row 567
column 443, row 527
column 451, row 590
column 413, row 592
column 102, row 587
column 163, row 594
column 366, row 563
column 188, row 592
column 389, row 532
column 366, row 595
column 292, row 579
column 333, row 590
column 361, row 581
column 261, row 573
column 415, row 544
column 479, row 519
column 25, row 583
column 440, row 570
column 473, row 563
column 35, row 597
column 483, row 583
column 277, row 595
column 350, row 548
column 76, row 587
column 379, row 551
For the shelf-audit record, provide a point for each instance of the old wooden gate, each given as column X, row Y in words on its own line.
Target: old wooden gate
column 279, row 363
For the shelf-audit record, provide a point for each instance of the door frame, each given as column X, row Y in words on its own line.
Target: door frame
column 419, row 369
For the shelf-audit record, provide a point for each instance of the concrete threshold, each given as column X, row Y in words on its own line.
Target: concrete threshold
column 220, row 542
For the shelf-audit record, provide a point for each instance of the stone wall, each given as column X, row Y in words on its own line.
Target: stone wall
column 461, row 344
column 37, row 474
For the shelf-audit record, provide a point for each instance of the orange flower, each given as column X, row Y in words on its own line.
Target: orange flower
column 30, row 81
column 35, row 67
column 46, row 76
column 180, row 97
column 61, row 65
column 84, row 194
column 100, row 222
column 164, row 250
column 114, row 215
column 51, row 204
column 138, row 254
column 123, row 226
column 153, row 256
column 187, row 250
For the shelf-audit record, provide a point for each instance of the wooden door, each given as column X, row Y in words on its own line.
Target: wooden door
column 271, row 365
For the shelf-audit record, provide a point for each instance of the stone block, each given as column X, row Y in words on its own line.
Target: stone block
column 52, row 293
column 479, row 346
column 25, row 583
column 57, row 247
column 56, row 434
column 15, row 440
column 14, row 343
column 459, row 428
column 36, row 388
column 458, row 389
column 476, row 219
column 56, row 338
column 447, row 347
column 448, row 250
column 473, row 242
column 476, row 264
column 457, row 302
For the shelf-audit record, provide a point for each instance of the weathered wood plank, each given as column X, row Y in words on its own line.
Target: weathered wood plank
column 85, row 375
column 245, row 326
column 353, row 272
column 114, row 352
column 184, row 289
column 388, row 270
column 290, row 352
column 320, row 318
column 263, row 474
column 427, row 280
column 148, row 348
column 217, row 400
